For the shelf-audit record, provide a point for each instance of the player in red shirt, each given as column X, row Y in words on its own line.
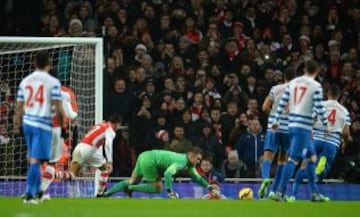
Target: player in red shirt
column 89, row 152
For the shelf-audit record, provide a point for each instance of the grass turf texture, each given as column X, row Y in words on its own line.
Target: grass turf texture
column 65, row 207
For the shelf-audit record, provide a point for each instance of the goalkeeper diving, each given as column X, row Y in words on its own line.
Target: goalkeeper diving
column 152, row 165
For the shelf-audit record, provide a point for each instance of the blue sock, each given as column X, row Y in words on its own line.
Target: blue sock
column 37, row 187
column 310, row 172
column 265, row 169
column 33, row 184
column 277, row 177
column 300, row 175
column 286, row 175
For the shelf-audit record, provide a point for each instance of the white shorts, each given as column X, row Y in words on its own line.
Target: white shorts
column 56, row 145
column 87, row 155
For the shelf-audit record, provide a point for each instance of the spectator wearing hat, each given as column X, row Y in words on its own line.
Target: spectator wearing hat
column 162, row 139
column 233, row 167
column 75, row 27
column 140, row 52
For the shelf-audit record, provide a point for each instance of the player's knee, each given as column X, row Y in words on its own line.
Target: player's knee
column 158, row 187
column 313, row 159
column 269, row 155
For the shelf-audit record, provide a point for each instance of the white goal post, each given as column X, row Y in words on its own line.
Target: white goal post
column 80, row 61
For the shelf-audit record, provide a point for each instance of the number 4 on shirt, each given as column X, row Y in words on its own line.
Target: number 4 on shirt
column 39, row 95
column 332, row 117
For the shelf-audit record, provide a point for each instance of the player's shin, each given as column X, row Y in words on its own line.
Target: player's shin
column 48, row 177
column 147, row 188
column 310, row 172
column 277, row 176
column 286, row 175
column 300, row 175
column 102, row 178
column 120, row 186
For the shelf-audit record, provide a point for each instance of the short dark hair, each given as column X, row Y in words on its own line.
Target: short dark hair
column 42, row 59
column 289, row 73
column 196, row 150
column 334, row 91
column 311, row 66
column 207, row 157
column 115, row 118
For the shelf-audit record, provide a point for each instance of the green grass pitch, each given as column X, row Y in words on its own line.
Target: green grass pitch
column 65, row 207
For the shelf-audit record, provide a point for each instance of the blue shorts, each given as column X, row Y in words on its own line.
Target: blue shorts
column 300, row 143
column 38, row 142
column 270, row 142
column 283, row 141
column 326, row 149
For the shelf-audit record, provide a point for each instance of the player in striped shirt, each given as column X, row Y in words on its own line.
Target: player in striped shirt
column 89, row 152
column 304, row 96
column 37, row 93
column 275, row 142
column 326, row 147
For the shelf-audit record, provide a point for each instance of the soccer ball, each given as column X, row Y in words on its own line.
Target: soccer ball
column 246, row 194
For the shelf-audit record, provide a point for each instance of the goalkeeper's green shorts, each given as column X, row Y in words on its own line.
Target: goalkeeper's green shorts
column 146, row 167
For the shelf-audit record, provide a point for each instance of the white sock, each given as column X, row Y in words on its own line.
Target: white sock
column 48, row 177
column 102, row 178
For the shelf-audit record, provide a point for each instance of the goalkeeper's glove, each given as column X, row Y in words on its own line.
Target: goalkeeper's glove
column 215, row 192
column 172, row 194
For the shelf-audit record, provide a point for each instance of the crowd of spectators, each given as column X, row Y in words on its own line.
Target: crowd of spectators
column 195, row 73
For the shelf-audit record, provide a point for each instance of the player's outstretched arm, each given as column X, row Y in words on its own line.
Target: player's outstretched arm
column 201, row 181
column 168, row 175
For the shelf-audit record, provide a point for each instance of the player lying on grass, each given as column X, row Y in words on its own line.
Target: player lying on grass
column 152, row 165
column 89, row 152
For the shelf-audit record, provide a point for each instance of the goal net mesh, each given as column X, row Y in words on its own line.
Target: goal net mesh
column 75, row 67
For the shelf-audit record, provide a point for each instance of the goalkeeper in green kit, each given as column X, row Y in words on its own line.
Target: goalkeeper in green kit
column 152, row 165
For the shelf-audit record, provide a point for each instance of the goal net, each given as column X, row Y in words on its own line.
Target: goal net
column 78, row 63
